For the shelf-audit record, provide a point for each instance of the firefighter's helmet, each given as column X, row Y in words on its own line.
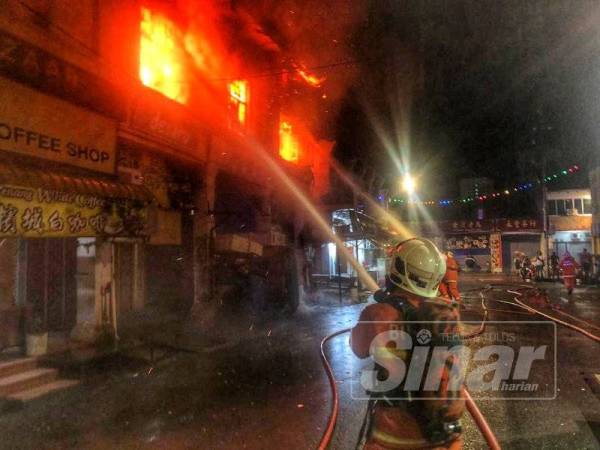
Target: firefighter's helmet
column 418, row 267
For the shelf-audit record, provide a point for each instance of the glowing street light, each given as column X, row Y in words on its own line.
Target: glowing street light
column 408, row 184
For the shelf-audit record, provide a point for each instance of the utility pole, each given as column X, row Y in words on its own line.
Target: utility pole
column 545, row 216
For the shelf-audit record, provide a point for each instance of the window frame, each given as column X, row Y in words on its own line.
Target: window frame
column 236, row 104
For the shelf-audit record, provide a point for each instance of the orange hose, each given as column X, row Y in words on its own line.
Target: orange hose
column 526, row 307
column 561, row 322
column 589, row 324
column 328, row 434
column 483, row 320
column 480, row 421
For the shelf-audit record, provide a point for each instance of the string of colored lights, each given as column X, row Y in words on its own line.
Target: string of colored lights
column 521, row 187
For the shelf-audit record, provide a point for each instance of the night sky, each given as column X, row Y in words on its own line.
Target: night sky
column 493, row 88
column 458, row 88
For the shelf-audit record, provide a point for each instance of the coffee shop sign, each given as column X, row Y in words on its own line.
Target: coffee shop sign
column 48, row 213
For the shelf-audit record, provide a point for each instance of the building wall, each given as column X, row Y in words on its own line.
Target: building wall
column 87, row 52
column 595, row 195
column 90, row 47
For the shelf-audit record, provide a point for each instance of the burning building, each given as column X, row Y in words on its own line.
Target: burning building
column 135, row 148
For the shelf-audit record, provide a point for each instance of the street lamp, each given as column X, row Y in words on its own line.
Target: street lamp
column 408, row 184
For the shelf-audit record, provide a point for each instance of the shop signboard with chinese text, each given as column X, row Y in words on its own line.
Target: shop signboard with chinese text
column 519, row 225
column 467, row 226
column 24, row 62
column 41, row 126
column 35, row 213
column 496, row 252
column 468, row 242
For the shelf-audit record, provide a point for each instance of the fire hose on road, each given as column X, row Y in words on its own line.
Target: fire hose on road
column 478, row 417
column 522, row 305
column 474, row 411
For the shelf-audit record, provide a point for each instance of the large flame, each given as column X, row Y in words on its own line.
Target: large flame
column 288, row 143
column 312, row 80
column 162, row 66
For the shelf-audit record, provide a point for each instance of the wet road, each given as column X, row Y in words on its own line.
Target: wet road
column 261, row 386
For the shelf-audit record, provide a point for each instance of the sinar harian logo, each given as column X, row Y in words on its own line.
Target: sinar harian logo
column 494, row 362
column 424, row 336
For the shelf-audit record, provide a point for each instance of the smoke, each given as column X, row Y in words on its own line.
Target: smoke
column 316, row 36
column 205, row 40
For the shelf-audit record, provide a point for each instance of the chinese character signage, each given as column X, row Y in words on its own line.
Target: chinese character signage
column 472, row 241
column 26, row 212
column 40, row 126
column 467, row 226
column 496, row 252
column 26, row 63
column 518, row 225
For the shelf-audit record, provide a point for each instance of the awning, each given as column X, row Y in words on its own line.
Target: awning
column 36, row 178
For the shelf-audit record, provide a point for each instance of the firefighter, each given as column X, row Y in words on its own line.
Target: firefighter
column 449, row 285
column 569, row 268
column 396, row 419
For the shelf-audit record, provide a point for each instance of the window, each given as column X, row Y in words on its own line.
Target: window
column 551, row 207
column 162, row 59
column 560, row 208
column 238, row 103
column 577, row 204
column 587, row 206
column 568, row 204
column 288, row 144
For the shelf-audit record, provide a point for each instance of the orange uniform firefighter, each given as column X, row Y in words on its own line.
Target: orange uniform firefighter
column 449, row 285
column 396, row 417
column 569, row 267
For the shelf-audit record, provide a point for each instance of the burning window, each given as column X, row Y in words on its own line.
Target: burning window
column 238, row 102
column 288, row 144
column 162, row 59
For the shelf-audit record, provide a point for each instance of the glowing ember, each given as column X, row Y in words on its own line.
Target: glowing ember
column 161, row 58
column 288, row 144
column 311, row 79
column 238, row 100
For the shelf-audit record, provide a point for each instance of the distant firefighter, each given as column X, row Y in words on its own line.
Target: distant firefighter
column 449, row 285
column 569, row 267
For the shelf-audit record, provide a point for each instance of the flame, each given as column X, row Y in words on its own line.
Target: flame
column 238, row 99
column 288, row 143
column 161, row 58
column 311, row 79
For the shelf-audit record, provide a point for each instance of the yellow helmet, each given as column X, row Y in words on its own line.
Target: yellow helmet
column 418, row 267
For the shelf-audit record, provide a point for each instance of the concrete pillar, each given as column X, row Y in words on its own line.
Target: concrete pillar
column 104, row 286
column 204, row 223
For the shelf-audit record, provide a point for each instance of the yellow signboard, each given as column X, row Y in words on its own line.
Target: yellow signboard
column 44, row 127
column 31, row 213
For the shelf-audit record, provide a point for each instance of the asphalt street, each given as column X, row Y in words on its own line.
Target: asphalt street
column 261, row 385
